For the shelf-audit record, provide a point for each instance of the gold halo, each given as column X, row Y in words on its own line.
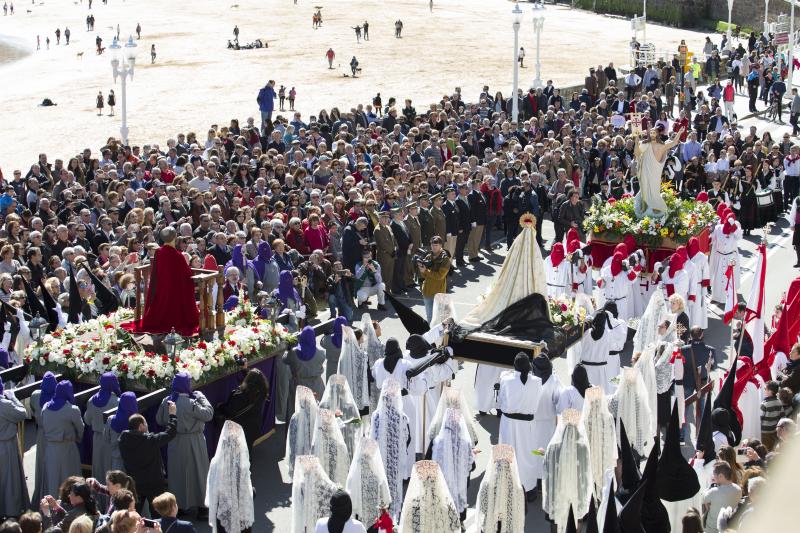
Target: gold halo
column 527, row 220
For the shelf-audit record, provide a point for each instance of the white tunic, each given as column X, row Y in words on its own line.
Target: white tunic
column 724, row 248
column 750, row 407
column 594, row 355
column 519, row 398
column 618, row 289
column 698, row 310
column 424, row 392
column 582, row 279
column 680, row 283
column 409, row 407
column 570, row 398
column 544, row 421
column 485, row 378
column 619, row 334
column 558, row 278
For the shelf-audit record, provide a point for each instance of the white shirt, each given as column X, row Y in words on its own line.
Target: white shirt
column 351, row 526
column 202, row 185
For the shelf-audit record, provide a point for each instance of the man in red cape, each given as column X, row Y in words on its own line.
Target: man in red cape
column 169, row 302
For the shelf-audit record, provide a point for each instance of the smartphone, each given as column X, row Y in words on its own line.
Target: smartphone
column 149, row 522
column 741, row 451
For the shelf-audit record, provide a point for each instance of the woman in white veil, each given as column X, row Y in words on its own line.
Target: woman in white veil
column 229, row 491
column 452, row 450
column 338, row 399
column 654, row 316
column 366, row 482
column 330, row 448
column 645, row 364
column 567, row 471
column 373, row 347
column 311, row 494
column 598, row 423
column 630, row 406
column 300, row 433
column 353, row 366
column 501, row 498
column 452, row 398
column 392, row 432
column 428, row 506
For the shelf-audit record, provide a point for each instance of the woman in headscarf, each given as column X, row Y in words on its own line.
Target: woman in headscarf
column 390, row 428
column 329, row 446
column 103, row 400
column 428, row 505
column 373, row 347
column 291, row 304
column 187, row 452
column 452, row 450
column 63, row 430
column 338, row 399
column 264, row 270
column 601, row 436
column 353, row 365
column 38, row 400
column 545, row 414
column 305, row 363
column 300, row 431
column 630, row 406
column 116, row 424
column 340, row 520
column 595, row 347
column 229, row 491
column 366, row 482
column 573, row 395
column 517, row 399
column 332, row 344
column 13, row 486
column 501, row 499
column 721, row 428
column 311, row 490
column 245, row 406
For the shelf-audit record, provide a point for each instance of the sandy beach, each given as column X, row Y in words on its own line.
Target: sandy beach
column 197, row 82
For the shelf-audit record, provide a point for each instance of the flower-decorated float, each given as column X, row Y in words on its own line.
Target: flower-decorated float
column 609, row 222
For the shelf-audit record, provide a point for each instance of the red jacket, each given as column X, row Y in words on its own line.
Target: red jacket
column 494, row 200
column 317, row 238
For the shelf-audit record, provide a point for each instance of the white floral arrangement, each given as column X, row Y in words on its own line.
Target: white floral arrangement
column 565, row 313
column 99, row 345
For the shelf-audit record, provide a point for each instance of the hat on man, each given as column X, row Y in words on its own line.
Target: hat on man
column 437, row 196
column 411, row 205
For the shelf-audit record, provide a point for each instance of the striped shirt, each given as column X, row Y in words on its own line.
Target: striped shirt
column 772, row 410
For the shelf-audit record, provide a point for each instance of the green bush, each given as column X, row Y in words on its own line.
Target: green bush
column 671, row 14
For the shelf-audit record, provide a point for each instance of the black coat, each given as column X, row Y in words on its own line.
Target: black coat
column 451, row 216
column 402, row 237
column 246, row 408
column 351, row 247
column 464, row 215
column 477, row 207
column 141, row 455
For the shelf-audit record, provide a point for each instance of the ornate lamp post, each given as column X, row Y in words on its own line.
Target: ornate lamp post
column 122, row 64
column 538, row 25
column 173, row 342
column 517, row 14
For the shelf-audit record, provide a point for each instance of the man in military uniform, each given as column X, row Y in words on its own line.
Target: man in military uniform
column 412, row 222
column 425, row 219
column 385, row 247
column 439, row 218
column 434, row 276
column 478, row 211
column 451, row 214
column 404, row 246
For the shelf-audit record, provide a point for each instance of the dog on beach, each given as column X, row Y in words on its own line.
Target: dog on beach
column 80, row 55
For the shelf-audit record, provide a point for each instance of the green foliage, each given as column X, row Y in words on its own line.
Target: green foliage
column 671, row 13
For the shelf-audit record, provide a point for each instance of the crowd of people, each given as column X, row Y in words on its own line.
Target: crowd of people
column 354, row 204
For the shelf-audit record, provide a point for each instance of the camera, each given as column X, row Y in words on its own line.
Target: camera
column 147, row 522
column 421, row 258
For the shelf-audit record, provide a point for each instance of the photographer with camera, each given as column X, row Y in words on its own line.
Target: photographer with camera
column 433, row 269
column 369, row 281
column 340, row 295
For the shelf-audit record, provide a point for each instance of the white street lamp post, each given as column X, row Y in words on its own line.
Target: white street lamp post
column 791, row 48
column 730, row 17
column 538, row 25
column 122, row 64
column 517, row 13
column 766, row 17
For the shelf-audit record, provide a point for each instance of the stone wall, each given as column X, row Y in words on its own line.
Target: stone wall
column 749, row 13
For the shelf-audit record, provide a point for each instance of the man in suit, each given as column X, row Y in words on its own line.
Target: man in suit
column 404, row 245
column 478, row 211
column 425, row 219
column 439, row 217
column 464, row 222
column 104, row 233
column 353, row 243
column 166, row 505
column 221, row 251
column 385, row 247
column 415, row 233
column 450, row 209
column 620, row 106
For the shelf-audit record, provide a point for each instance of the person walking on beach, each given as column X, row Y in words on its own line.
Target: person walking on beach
column 430, row 5
column 138, row 31
column 236, row 33
column 366, row 30
column 112, row 101
column 152, row 53
column 292, row 96
column 330, row 56
column 266, row 103
column 58, row 36
column 118, row 31
column 5, row 9
column 88, row 23
column 66, row 35
column 47, row 42
column 38, row 42
column 100, row 103
column 354, row 65
column 521, row 57
column 398, row 29
column 281, row 97
column 98, row 42
column 358, row 33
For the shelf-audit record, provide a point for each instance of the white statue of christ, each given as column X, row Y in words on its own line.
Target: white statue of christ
column 650, row 159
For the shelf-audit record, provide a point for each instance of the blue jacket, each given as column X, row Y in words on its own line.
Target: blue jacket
column 266, row 97
column 181, row 526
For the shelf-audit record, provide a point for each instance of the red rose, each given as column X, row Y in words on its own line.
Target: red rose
column 202, row 345
column 165, row 358
column 151, row 373
column 564, row 307
column 67, row 351
column 106, row 360
column 124, row 367
column 109, row 326
column 231, row 343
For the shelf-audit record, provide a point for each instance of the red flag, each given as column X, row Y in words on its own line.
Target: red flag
column 786, row 331
column 730, row 295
